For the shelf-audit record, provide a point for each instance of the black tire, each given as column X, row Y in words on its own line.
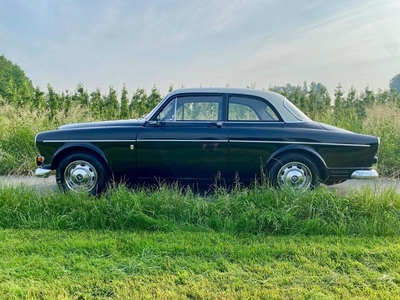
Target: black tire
column 294, row 171
column 82, row 172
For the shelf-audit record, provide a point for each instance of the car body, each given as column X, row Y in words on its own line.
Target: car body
column 198, row 134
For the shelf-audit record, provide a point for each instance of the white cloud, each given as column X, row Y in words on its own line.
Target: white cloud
column 350, row 46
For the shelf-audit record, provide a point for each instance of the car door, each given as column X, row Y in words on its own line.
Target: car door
column 186, row 139
column 254, row 126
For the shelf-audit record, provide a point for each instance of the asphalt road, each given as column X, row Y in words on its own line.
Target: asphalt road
column 49, row 184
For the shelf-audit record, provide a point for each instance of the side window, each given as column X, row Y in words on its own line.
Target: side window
column 192, row 108
column 168, row 112
column 242, row 108
column 199, row 108
column 241, row 112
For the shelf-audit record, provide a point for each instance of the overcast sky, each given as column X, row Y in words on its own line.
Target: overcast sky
column 104, row 43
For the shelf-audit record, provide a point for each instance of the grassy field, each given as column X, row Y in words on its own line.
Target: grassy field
column 164, row 244
column 92, row 264
column 257, row 210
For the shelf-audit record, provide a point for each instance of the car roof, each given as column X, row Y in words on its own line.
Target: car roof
column 275, row 98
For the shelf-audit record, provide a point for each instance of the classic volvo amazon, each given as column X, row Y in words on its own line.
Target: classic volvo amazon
column 195, row 134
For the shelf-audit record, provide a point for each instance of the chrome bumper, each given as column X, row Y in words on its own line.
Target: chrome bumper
column 365, row 174
column 44, row 173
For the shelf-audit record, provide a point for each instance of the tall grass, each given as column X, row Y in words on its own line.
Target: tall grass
column 249, row 211
column 384, row 121
column 18, row 127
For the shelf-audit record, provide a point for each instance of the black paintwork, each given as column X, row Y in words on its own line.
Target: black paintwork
column 197, row 150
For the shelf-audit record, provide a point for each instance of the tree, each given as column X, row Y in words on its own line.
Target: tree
column 10, row 92
column 38, row 101
column 295, row 96
column 324, row 100
column 112, row 104
column 351, row 97
column 52, row 101
column 137, row 107
column 81, row 96
column 368, row 97
column 312, row 100
column 96, row 104
column 153, row 99
column 67, row 102
column 338, row 102
column 394, row 83
column 124, row 111
column 384, row 97
column 25, row 94
column 15, row 87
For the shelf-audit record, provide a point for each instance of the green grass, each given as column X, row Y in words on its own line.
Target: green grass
column 384, row 121
column 258, row 210
column 91, row 264
column 163, row 243
column 18, row 127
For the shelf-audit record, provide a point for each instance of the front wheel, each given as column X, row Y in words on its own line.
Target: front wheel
column 81, row 172
column 295, row 172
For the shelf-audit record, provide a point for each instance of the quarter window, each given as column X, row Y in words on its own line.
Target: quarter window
column 242, row 108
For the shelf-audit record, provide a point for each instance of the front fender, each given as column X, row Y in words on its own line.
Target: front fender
column 75, row 147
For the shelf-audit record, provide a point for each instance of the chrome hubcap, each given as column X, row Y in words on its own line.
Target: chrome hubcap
column 80, row 176
column 295, row 175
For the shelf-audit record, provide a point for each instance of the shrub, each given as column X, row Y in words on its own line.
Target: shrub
column 18, row 127
column 383, row 120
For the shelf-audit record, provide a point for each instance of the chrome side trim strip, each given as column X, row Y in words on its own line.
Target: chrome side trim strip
column 88, row 141
column 201, row 141
column 300, row 143
column 206, row 141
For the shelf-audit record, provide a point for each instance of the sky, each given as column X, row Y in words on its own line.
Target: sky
column 192, row 43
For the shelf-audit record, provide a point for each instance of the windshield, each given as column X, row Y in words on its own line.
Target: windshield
column 295, row 111
column 147, row 116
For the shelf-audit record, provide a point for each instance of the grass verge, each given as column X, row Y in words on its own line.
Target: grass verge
column 250, row 211
column 167, row 244
column 92, row 264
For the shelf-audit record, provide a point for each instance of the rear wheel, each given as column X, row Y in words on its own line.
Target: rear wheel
column 82, row 172
column 294, row 171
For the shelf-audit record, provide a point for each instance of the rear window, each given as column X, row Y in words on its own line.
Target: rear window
column 295, row 111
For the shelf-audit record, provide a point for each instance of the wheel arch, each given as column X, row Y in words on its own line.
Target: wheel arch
column 302, row 150
column 71, row 148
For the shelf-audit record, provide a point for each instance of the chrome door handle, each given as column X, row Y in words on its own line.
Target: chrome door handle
column 218, row 124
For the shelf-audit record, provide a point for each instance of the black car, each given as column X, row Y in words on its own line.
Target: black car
column 194, row 135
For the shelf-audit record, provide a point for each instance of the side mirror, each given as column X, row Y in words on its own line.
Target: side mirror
column 154, row 123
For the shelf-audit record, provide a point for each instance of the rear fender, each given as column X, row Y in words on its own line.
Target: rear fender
column 299, row 149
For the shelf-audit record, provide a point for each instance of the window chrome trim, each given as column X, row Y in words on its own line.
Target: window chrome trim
column 175, row 107
column 285, row 101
